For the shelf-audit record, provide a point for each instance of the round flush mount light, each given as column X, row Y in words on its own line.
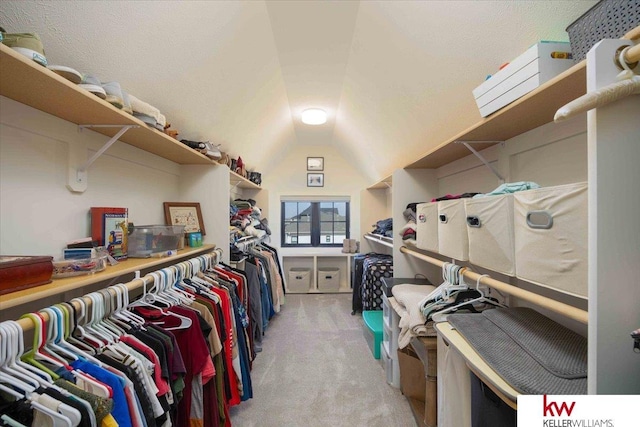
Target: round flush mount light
column 314, row 116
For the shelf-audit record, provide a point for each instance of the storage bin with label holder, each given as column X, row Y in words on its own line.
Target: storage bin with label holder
column 490, row 231
column 328, row 279
column 551, row 237
column 299, row 280
column 427, row 226
column 452, row 229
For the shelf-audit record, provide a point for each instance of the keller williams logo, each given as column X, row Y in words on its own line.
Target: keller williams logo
column 548, row 408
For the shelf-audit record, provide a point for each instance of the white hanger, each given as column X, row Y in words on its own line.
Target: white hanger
column 9, row 349
column 17, row 343
column 55, row 319
column 10, row 379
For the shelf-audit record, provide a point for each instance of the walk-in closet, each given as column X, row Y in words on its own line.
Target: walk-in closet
column 308, row 213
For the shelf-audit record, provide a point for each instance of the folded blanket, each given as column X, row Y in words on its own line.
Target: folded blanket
column 142, row 107
column 407, row 300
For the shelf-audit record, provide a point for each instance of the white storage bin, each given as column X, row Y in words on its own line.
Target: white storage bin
column 490, row 232
column 427, row 226
column 299, row 280
column 523, row 74
column 551, row 237
column 452, row 229
column 328, row 279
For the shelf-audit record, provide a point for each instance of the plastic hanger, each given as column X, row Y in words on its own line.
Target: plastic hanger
column 41, row 377
column 7, row 378
column 34, row 356
column 57, row 420
column 82, row 333
column 9, row 349
column 56, row 325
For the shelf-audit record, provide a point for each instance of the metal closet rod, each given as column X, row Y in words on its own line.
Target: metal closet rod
column 27, row 324
column 566, row 310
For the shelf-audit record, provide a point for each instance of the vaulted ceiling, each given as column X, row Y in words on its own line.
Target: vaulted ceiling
column 395, row 77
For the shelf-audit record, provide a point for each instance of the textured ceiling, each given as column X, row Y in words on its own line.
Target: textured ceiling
column 395, row 77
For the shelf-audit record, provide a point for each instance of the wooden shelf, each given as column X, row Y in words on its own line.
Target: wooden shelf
column 60, row 286
column 242, row 182
column 382, row 184
column 29, row 83
column 383, row 240
column 529, row 112
column 535, row 109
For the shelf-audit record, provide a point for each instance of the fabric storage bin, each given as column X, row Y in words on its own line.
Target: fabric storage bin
column 299, row 280
column 452, row 229
column 551, row 237
column 490, row 232
column 427, row 226
column 328, row 279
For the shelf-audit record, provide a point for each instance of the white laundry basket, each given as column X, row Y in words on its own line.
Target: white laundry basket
column 490, row 231
column 452, row 229
column 427, row 226
column 551, row 237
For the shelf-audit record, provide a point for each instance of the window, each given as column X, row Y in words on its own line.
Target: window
column 314, row 223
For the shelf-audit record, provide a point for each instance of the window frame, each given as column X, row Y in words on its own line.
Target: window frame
column 315, row 223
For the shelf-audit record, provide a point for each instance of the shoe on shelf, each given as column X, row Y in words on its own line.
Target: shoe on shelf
column 114, row 94
column 67, row 72
column 93, row 85
column 27, row 44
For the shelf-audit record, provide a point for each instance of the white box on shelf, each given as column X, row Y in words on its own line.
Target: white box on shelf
column 490, row 231
column 551, row 237
column 540, row 63
column 328, row 279
column 427, row 226
column 452, row 229
column 299, row 280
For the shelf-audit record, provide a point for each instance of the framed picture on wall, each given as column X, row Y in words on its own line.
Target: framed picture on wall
column 187, row 214
column 315, row 180
column 315, row 163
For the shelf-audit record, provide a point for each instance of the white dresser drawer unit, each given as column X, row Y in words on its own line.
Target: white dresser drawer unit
column 490, row 231
column 452, row 229
column 551, row 237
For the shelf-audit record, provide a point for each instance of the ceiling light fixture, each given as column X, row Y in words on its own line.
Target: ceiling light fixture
column 314, row 116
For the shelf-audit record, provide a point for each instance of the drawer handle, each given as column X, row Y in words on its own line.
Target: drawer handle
column 473, row 221
column 443, row 218
column 539, row 220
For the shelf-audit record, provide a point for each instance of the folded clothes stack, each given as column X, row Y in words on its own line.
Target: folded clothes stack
column 147, row 113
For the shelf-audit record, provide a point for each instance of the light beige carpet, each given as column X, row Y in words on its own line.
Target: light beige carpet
column 317, row 370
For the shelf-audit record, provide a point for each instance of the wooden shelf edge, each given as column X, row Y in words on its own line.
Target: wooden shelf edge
column 29, row 83
column 383, row 240
column 242, row 182
column 382, row 184
column 60, row 286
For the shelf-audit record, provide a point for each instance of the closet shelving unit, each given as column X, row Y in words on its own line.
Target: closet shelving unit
column 29, row 83
column 60, row 286
column 377, row 238
column 612, row 134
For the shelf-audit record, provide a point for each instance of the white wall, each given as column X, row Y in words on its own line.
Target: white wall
column 289, row 178
column 38, row 215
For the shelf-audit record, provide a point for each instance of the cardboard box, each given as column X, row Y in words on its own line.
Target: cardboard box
column 413, row 383
column 540, row 63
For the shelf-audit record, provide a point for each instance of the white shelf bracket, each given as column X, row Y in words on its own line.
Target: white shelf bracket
column 77, row 178
column 387, row 184
column 479, row 156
